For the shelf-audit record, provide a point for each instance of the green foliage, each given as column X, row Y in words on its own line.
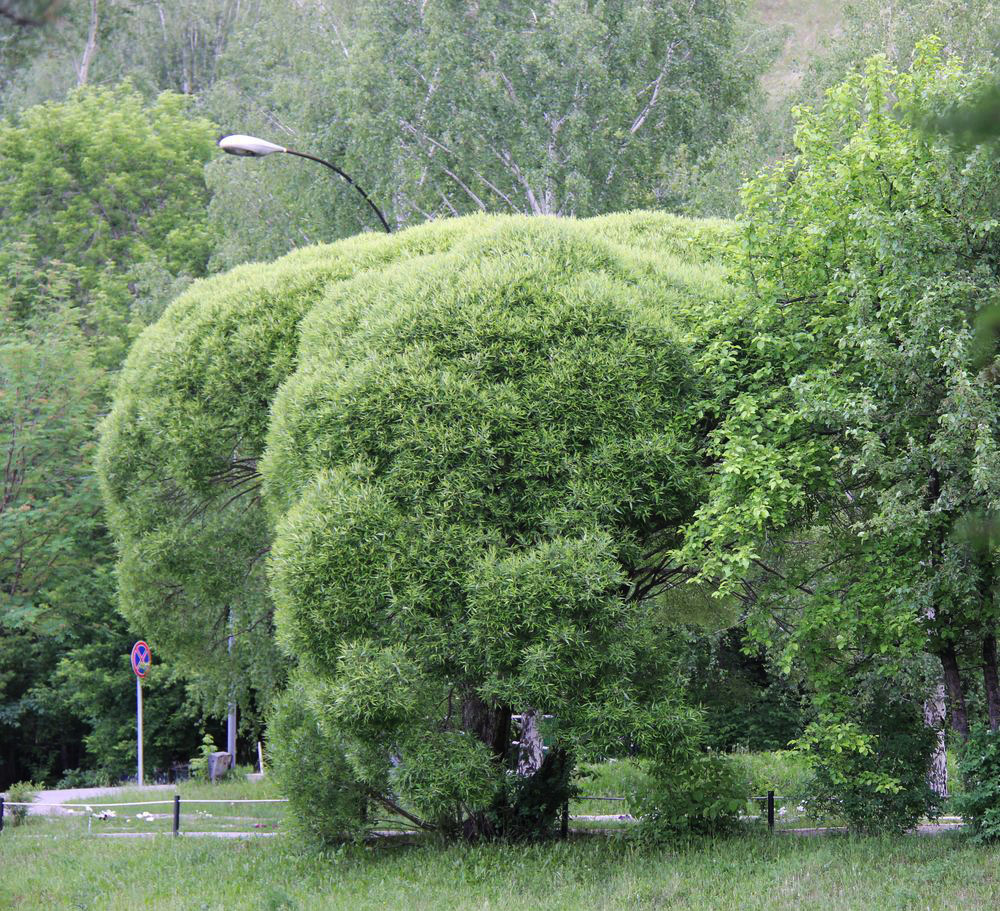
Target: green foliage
column 311, row 768
column 979, row 767
column 445, row 775
column 463, row 511
column 84, row 778
column 184, row 500
column 472, row 436
column 751, row 706
column 20, row 792
column 969, row 29
column 872, row 772
column 102, row 219
column 103, row 195
column 701, row 797
column 860, row 431
column 786, row 772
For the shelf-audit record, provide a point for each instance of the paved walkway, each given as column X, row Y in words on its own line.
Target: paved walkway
column 45, row 801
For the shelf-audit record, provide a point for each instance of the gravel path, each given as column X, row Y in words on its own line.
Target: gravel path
column 45, row 801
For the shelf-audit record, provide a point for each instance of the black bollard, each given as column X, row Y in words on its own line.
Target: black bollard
column 770, row 811
column 177, row 814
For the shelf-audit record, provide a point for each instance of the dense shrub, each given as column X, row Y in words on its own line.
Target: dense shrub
column 701, row 797
column 328, row 804
column 469, row 470
column 23, row 793
column 979, row 766
column 872, row 772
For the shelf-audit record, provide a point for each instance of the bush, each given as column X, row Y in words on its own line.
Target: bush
column 327, row 802
column 872, row 773
column 701, row 797
column 199, row 764
column 979, row 765
column 22, row 792
column 467, row 452
column 84, row 778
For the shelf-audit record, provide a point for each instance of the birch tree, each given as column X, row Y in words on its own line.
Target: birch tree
column 445, row 108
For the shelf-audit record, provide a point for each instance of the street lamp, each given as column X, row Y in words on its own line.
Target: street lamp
column 252, row 147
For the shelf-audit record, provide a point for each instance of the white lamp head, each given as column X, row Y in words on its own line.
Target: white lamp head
column 249, row 145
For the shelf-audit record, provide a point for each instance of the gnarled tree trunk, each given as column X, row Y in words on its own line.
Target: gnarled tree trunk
column 531, row 750
column 489, row 723
column 956, row 696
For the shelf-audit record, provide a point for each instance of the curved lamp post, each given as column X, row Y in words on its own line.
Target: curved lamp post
column 252, row 147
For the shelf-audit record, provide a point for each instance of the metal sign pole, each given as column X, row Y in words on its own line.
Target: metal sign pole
column 138, row 716
column 141, row 658
column 231, row 719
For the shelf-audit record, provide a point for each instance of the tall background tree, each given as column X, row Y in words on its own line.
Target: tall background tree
column 102, row 219
column 860, row 448
column 442, row 109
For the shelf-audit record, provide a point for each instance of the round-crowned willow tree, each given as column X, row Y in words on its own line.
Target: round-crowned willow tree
column 486, row 439
column 179, row 453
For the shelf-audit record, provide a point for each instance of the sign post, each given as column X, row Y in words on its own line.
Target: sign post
column 141, row 658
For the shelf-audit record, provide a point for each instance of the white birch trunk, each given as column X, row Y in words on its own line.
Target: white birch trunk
column 530, row 750
column 934, row 715
column 83, row 71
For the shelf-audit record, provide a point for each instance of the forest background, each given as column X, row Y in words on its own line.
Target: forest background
column 113, row 197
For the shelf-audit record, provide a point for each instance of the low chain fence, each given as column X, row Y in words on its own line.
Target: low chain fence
column 773, row 808
column 106, row 812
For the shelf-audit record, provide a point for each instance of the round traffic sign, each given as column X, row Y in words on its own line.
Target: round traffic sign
column 141, row 658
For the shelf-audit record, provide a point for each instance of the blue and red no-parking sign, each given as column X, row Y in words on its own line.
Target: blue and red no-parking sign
column 141, row 658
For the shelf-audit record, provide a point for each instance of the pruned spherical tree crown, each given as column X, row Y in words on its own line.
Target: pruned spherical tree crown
column 463, row 453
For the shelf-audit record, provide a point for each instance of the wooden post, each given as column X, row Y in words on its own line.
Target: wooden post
column 564, row 824
column 770, row 811
column 177, row 814
column 1, row 812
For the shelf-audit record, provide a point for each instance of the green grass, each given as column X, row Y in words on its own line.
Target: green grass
column 621, row 778
column 749, row 873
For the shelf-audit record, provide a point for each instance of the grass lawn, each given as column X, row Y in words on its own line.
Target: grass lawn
column 752, row 872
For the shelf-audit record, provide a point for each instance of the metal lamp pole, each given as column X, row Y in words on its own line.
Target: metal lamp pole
column 252, row 147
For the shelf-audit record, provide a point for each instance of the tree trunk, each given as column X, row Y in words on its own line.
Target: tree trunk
column 934, row 715
column 530, row 749
column 990, row 680
column 489, row 723
column 956, row 697
column 83, row 73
